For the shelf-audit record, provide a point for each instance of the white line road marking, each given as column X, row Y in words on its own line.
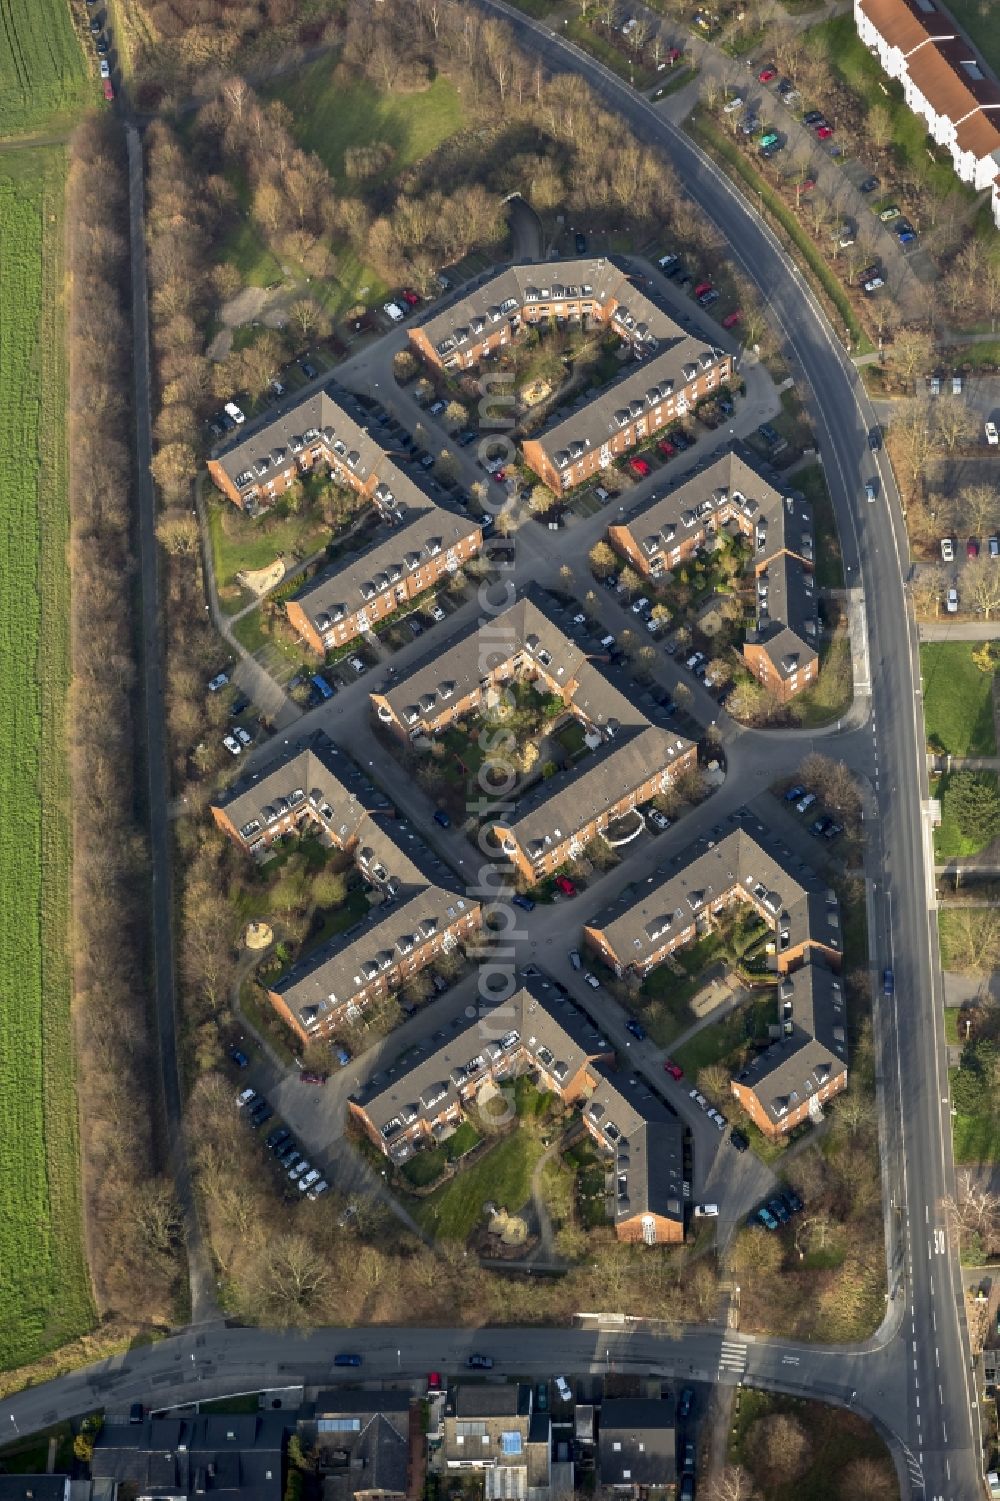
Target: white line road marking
column 937, row 1355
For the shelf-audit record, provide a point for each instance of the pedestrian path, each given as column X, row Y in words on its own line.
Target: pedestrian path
column 733, row 1359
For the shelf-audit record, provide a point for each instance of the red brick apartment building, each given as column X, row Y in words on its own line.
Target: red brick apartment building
column 730, row 492
column 412, row 918
column 804, row 918
column 426, row 1098
column 425, row 544
column 347, row 599
column 631, row 760
column 669, row 371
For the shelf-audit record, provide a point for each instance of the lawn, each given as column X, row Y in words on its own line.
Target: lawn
column 329, row 119
column 829, row 564
column 666, row 997
column 949, row 841
column 718, row 1041
column 502, row 1176
column 836, row 1438
column 44, row 80
column 44, row 1288
column 976, row 1137
column 831, row 695
column 958, row 700
column 240, row 543
column 246, row 250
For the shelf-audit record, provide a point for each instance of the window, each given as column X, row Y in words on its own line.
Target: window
column 510, row 1443
column 616, row 1447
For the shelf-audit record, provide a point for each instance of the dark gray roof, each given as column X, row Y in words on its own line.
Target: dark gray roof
column 369, row 1434
column 781, row 529
column 424, row 532
column 528, row 635
column 793, row 901
column 312, row 769
column 533, row 1025
column 34, row 1487
column 640, row 388
column 811, row 1049
column 509, row 1401
column 231, row 1455
column 637, row 1443
column 464, row 323
column 329, row 416
column 646, row 1139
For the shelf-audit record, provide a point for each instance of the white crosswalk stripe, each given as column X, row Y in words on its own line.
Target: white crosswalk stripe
column 733, row 1357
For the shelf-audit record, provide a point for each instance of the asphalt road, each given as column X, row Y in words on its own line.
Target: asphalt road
column 936, row 1424
column 913, row 1378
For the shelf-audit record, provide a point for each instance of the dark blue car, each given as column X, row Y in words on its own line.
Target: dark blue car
column 524, row 902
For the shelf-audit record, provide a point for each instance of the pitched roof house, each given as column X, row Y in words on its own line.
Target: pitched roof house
column 234, row 1456
column 637, row 1448
column 944, row 80
column 415, row 913
column 730, row 490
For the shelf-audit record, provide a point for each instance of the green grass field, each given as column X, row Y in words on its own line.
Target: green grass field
column 715, row 1043
column 44, row 80
column 502, row 1176
column 44, row 1290
column 949, row 841
column 958, row 700
column 976, row 1137
column 329, row 119
column 239, row 543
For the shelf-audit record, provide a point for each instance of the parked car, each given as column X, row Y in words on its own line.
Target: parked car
column 480, row 1362
column 805, row 803
column 233, row 411
column 947, row 550
column 875, row 439
column 779, row 1211
column 592, row 981
column 706, row 1211
column 310, row 1076
column 346, row 1360
column 673, row 1069
column 639, row 467
column 309, row 371
column 869, row 185
column 972, row 547
column 685, row 1403
column 308, row 1179
column 104, row 68
column 666, row 448
column 219, row 681
column 824, row 132
column 992, row 436
column 524, row 902
column 739, row 1140
column 565, row 885
column 563, row 1388
column 731, row 319
column 436, row 612
column 574, row 958
column 239, row 1058
column 636, row 1028
column 794, row 793
column 442, row 818
column 232, row 745
column 994, row 547
column 731, row 106
column 321, row 1187
column 659, row 820
column 890, row 212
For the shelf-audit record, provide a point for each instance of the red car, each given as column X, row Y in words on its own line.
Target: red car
column 674, row 55
column 666, row 448
column 824, row 132
column 673, row 1069
column 731, row 319
column 766, row 74
column 702, row 288
column 410, row 297
column 109, row 92
column 433, row 1381
column 807, row 185
column 565, row 885
column 308, row 1076
column 639, row 467
column 972, row 548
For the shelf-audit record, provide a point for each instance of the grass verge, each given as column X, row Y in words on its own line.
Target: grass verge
column 711, row 139
column 45, row 1297
column 958, row 700
column 832, row 693
column 811, row 480
column 976, row 1137
column 958, row 930
column 836, row 1438
column 949, row 841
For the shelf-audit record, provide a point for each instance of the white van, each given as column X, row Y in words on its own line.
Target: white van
column 394, row 311
column 706, row 1211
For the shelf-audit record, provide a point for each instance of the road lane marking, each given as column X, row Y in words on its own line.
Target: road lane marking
column 937, row 1355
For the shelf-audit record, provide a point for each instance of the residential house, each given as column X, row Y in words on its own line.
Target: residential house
column 36, row 1488
column 729, row 491
column 364, row 1444
column 347, row 599
column 630, row 760
column 806, row 1065
column 637, row 1449
column 495, row 1430
column 944, row 80
column 422, row 1099
column 234, row 1456
column 425, row 542
column 414, row 916
column 667, row 372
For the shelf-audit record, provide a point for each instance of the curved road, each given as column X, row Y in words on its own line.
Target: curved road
column 931, row 1345
column 915, row 1378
